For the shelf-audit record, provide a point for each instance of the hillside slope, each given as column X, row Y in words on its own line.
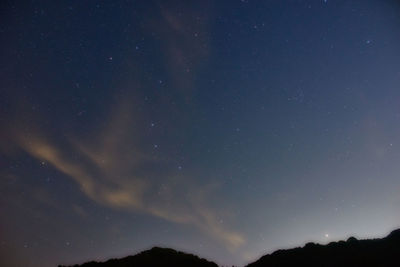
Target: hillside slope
column 154, row 257
column 353, row 252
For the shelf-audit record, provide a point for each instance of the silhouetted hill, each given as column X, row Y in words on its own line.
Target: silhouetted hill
column 353, row 252
column 154, row 257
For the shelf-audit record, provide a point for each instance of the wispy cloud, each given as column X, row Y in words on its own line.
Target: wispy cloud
column 112, row 167
column 112, row 170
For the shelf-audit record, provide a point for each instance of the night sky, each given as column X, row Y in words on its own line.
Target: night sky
column 227, row 129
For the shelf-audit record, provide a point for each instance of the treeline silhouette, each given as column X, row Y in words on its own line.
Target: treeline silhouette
column 154, row 257
column 353, row 252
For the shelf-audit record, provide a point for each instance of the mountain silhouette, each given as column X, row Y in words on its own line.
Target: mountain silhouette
column 154, row 257
column 353, row 252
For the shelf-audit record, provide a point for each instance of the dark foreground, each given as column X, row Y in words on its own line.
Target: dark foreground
column 353, row 252
column 154, row 257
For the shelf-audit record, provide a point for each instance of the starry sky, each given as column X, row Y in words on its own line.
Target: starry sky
column 227, row 129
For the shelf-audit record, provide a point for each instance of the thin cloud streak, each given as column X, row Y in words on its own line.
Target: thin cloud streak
column 113, row 172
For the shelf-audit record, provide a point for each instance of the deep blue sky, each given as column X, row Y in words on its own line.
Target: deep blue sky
column 222, row 128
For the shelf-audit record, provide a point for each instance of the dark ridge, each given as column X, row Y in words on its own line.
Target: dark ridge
column 154, row 257
column 394, row 234
column 353, row 252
